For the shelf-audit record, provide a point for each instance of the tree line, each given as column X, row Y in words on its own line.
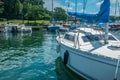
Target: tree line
column 29, row 10
column 23, row 9
column 32, row 10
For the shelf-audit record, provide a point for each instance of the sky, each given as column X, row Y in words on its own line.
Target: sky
column 92, row 6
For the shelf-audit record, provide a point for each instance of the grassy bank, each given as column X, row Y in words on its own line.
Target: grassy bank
column 27, row 22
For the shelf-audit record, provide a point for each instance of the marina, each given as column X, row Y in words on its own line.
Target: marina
column 30, row 56
column 60, row 40
column 12, row 28
column 91, row 52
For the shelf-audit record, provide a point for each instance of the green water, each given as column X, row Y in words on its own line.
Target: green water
column 31, row 57
column 28, row 56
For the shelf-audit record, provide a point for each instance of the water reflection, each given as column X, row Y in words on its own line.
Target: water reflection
column 13, row 39
column 63, row 73
column 28, row 57
column 17, row 49
column 8, row 36
column 32, row 57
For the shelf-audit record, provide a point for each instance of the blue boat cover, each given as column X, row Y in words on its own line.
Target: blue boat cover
column 101, row 16
column 72, row 27
column 101, row 25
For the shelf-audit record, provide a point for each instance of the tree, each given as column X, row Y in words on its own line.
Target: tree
column 33, row 2
column 28, row 11
column 18, row 9
column 114, row 18
column 60, row 14
column 12, row 9
column 23, row 9
column 1, row 7
column 37, row 2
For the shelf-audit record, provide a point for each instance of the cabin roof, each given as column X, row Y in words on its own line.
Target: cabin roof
column 92, row 41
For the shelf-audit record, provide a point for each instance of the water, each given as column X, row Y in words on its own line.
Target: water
column 28, row 56
column 33, row 57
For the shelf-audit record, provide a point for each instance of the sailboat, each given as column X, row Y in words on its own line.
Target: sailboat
column 53, row 26
column 92, row 53
column 116, row 24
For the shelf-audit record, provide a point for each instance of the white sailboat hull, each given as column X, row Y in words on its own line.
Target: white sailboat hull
column 90, row 66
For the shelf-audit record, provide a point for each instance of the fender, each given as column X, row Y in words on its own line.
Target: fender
column 66, row 57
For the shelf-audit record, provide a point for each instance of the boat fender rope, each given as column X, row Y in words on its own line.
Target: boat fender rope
column 66, row 56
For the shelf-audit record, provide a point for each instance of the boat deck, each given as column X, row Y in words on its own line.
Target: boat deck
column 94, row 43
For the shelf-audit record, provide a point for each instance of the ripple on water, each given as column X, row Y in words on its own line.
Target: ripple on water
column 31, row 57
column 16, row 58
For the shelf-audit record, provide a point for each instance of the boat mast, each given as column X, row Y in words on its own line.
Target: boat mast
column 106, row 33
column 119, row 9
column 116, row 7
column 68, row 6
column 52, row 14
column 75, row 11
column 106, row 26
column 84, row 5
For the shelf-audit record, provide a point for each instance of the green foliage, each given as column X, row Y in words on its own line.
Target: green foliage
column 1, row 7
column 60, row 14
column 26, row 22
column 29, row 10
column 33, row 2
column 33, row 12
column 114, row 18
column 24, row 9
column 12, row 9
column 18, row 9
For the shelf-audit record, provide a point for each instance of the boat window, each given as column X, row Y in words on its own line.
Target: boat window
column 69, row 37
column 111, row 37
column 88, row 38
column 85, row 39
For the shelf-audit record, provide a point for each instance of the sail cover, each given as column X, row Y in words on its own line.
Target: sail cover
column 101, row 16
